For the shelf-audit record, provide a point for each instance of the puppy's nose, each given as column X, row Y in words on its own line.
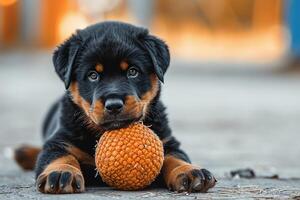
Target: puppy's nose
column 113, row 106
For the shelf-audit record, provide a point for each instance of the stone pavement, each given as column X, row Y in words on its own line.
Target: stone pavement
column 20, row 186
column 225, row 122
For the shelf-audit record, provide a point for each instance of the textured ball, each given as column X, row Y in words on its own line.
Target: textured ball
column 129, row 158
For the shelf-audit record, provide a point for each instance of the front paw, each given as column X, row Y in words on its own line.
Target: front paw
column 188, row 178
column 64, row 179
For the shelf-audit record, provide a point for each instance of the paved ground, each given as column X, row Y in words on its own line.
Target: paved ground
column 224, row 121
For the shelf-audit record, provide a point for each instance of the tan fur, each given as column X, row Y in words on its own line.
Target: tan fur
column 124, row 65
column 99, row 68
column 80, row 155
column 68, row 163
column 139, row 107
column 97, row 111
column 94, row 112
column 133, row 106
column 26, row 156
column 148, row 96
column 172, row 163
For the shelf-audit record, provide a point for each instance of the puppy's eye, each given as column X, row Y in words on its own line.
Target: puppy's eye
column 132, row 72
column 93, row 76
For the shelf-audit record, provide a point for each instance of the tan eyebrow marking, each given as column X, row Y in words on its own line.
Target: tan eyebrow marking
column 124, row 65
column 99, row 68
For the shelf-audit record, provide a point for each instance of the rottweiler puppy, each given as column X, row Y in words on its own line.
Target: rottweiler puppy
column 112, row 72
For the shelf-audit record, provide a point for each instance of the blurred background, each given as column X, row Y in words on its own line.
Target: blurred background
column 197, row 30
column 232, row 90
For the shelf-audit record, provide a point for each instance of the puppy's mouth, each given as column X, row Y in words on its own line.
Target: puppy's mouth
column 111, row 124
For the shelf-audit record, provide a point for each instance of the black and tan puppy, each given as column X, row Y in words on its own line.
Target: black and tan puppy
column 112, row 72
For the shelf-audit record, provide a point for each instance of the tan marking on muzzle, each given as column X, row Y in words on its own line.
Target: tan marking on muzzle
column 94, row 112
column 139, row 107
column 133, row 106
column 98, row 110
column 149, row 95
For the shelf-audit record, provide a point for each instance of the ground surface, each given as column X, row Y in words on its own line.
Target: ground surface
column 225, row 122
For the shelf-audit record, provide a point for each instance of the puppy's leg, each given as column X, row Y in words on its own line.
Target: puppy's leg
column 180, row 175
column 58, row 171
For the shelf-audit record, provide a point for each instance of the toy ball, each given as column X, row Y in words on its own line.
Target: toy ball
column 129, row 158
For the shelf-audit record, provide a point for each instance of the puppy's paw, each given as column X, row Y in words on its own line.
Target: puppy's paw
column 65, row 179
column 188, row 178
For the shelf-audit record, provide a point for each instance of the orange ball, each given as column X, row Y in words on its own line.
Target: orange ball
column 129, row 158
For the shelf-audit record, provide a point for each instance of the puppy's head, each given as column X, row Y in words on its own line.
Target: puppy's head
column 112, row 71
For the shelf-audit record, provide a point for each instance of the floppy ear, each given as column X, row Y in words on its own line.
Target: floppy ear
column 159, row 53
column 64, row 59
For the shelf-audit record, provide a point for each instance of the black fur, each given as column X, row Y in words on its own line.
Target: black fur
column 106, row 43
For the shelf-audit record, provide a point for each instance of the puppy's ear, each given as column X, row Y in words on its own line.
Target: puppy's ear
column 159, row 53
column 64, row 59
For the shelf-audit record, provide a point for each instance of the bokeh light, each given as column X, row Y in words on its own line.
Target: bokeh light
column 71, row 22
column 7, row 2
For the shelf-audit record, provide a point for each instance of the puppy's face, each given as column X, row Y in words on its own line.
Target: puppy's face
column 114, row 90
column 114, row 73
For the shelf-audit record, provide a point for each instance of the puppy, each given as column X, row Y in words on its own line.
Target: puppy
column 112, row 72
